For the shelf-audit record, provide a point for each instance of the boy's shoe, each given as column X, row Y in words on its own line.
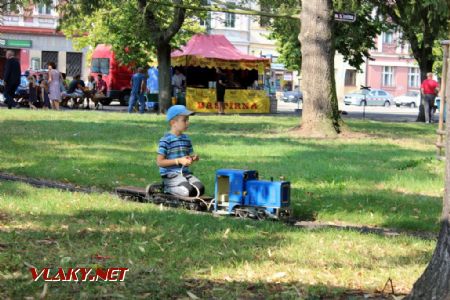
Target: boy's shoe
column 153, row 188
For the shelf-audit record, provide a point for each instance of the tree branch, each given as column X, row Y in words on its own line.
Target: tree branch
column 179, row 15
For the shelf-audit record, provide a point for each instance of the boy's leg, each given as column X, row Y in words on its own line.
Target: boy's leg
column 177, row 184
column 197, row 185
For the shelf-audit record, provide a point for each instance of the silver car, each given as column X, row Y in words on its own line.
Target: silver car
column 293, row 96
column 411, row 98
column 373, row 97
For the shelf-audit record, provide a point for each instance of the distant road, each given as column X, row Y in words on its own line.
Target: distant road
column 379, row 113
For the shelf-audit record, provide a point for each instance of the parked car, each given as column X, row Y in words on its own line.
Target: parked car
column 411, row 98
column 292, row 96
column 371, row 97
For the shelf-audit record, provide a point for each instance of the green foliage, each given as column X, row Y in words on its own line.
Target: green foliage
column 423, row 23
column 353, row 40
column 124, row 25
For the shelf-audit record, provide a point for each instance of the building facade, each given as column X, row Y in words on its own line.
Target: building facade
column 391, row 68
column 33, row 34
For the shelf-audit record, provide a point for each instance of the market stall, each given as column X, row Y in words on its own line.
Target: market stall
column 200, row 59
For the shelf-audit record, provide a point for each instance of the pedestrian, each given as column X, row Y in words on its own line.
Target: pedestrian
column 176, row 154
column 11, row 78
column 429, row 89
column 54, row 85
column 178, row 85
column 220, row 91
column 138, row 88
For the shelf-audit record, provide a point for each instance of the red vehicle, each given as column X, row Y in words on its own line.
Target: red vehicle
column 117, row 76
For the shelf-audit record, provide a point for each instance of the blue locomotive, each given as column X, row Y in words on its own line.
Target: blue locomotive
column 237, row 192
column 240, row 192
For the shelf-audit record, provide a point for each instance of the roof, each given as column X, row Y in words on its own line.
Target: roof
column 212, row 51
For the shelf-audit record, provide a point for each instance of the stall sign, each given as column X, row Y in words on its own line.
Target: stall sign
column 236, row 101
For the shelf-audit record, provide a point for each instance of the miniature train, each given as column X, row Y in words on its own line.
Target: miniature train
column 237, row 192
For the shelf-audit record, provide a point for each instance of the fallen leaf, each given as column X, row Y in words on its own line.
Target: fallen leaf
column 225, row 235
column 44, row 291
column 141, row 249
column 192, row 296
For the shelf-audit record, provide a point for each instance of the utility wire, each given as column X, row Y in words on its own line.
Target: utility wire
column 238, row 11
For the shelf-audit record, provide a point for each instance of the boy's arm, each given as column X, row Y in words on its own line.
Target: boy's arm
column 162, row 162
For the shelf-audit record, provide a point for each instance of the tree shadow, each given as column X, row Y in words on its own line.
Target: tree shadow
column 328, row 178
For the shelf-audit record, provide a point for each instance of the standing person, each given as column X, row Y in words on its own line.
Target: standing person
column 220, row 91
column 176, row 154
column 11, row 78
column 429, row 89
column 138, row 88
column 54, row 85
column 178, row 85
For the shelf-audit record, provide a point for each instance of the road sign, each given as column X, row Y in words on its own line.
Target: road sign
column 344, row 17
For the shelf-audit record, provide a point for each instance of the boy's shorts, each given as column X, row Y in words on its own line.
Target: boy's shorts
column 186, row 185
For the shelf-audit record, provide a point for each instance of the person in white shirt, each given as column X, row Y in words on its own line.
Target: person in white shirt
column 178, row 82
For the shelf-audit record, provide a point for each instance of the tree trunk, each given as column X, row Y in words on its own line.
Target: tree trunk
column 434, row 284
column 425, row 66
column 435, row 281
column 164, row 82
column 320, row 115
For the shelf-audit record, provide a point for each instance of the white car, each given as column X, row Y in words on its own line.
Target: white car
column 369, row 97
column 411, row 99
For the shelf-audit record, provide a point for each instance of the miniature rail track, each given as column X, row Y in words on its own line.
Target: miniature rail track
column 139, row 195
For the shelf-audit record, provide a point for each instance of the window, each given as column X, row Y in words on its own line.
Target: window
column 44, row 9
column 388, row 37
column 230, row 20
column 35, row 63
column 382, row 93
column 100, row 65
column 413, row 77
column 73, row 63
column 388, row 76
column 350, row 77
column 48, row 56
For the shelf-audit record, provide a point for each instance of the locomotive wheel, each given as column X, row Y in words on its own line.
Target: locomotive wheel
column 242, row 213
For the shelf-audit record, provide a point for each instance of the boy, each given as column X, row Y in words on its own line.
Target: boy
column 175, row 155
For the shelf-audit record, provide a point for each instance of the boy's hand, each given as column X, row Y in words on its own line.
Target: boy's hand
column 185, row 161
column 195, row 157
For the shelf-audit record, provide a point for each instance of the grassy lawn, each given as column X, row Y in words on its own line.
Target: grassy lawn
column 388, row 178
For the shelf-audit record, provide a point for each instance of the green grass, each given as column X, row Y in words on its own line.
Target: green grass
column 388, row 178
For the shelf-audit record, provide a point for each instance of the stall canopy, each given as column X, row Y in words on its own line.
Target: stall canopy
column 215, row 51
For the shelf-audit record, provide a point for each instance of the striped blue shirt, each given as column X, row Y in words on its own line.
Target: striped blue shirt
column 172, row 147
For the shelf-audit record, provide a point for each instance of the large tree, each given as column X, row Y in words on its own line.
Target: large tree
column 320, row 116
column 422, row 22
column 136, row 29
column 320, row 108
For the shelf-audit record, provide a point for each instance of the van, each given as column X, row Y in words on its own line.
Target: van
column 116, row 76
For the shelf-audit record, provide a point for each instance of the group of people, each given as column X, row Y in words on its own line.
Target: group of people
column 47, row 90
